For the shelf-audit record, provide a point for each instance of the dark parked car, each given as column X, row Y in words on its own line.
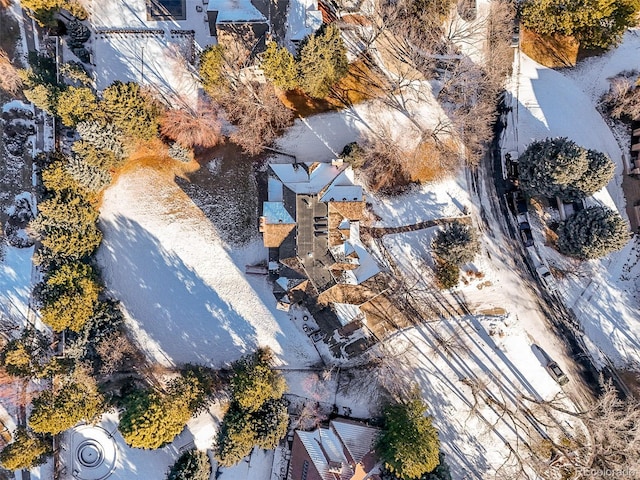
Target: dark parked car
column 525, row 234
column 517, row 203
column 556, row 372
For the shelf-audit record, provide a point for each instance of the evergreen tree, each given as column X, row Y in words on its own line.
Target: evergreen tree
column 409, row 443
column 43, row 96
column 457, row 244
column 152, row 419
column 20, row 357
column 26, row 451
column 594, row 23
column 280, row 66
column 192, row 465
column 323, row 61
column 559, row 167
column 103, row 137
column 592, row 233
column 447, row 275
column 69, row 296
column 131, row 110
column 236, row 437
column 74, row 401
column 76, row 104
column 211, row 70
column 254, row 382
column 270, row 424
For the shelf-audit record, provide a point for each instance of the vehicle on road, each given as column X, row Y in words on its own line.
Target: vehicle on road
column 511, row 165
column 547, row 279
column 524, row 229
column 556, row 373
column 517, row 202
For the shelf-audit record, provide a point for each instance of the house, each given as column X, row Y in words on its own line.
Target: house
column 342, row 451
column 311, row 225
column 303, row 19
column 238, row 23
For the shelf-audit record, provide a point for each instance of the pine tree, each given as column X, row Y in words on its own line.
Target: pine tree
column 102, row 136
column 270, row 424
column 152, row 419
column 72, row 402
column 592, row 233
column 211, row 69
column 280, row 66
column 26, row 451
column 457, row 243
column 254, row 382
column 594, row 23
column 45, row 97
column 69, row 297
column 76, row 104
column 131, row 110
column 323, row 61
column 409, row 443
column 192, row 465
column 236, row 437
column 559, row 167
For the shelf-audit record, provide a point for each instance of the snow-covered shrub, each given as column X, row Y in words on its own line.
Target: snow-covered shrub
column 88, row 176
column 559, row 167
column 457, row 243
column 622, row 101
column 592, row 233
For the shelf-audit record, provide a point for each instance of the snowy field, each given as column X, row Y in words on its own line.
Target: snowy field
column 548, row 103
column 15, row 281
column 184, row 291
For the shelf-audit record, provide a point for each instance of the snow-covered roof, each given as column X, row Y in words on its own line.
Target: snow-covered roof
column 303, row 19
column 358, row 439
column 299, row 180
column 346, row 313
column 367, row 266
column 274, row 190
column 274, row 212
column 231, row 11
column 323, row 446
column 342, row 193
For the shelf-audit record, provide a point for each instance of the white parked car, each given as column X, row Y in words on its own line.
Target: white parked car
column 547, row 278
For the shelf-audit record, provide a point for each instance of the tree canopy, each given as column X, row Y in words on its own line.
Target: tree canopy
column 131, row 110
column 457, row 243
column 76, row 104
column 559, row 167
column 592, row 233
column 409, row 443
column 192, row 465
column 74, row 400
column 26, row 451
column 280, row 66
column 594, row 23
column 257, row 414
column 322, row 61
column 69, row 296
column 211, row 69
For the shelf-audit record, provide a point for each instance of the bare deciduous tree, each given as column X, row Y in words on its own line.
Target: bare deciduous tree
column 257, row 113
column 191, row 128
column 10, row 80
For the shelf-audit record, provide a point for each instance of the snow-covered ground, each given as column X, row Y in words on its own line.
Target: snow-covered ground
column 184, row 291
column 15, row 282
column 549, row 103
column 159, row 59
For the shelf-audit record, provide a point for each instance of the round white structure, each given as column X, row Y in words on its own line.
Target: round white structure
column 93, row 453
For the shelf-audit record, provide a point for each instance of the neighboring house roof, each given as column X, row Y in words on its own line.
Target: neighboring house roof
column 326, row 447
column 288, row 284
column 235, row 11
column 303, row 19
column 347, row 312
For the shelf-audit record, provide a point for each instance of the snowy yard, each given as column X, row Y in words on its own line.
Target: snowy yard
column 548, row 103
column 184, row 290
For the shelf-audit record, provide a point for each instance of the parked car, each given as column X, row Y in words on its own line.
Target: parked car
column 517, row 203
column 556, row 373
column 525, row 234
column 547, row 278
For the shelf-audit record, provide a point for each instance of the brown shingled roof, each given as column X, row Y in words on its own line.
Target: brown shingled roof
column 273, row 234
column 349, row 210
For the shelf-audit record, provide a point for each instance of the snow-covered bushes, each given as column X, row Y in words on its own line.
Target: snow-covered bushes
column 622, row 101
column 192, row 465
column 592, row 233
